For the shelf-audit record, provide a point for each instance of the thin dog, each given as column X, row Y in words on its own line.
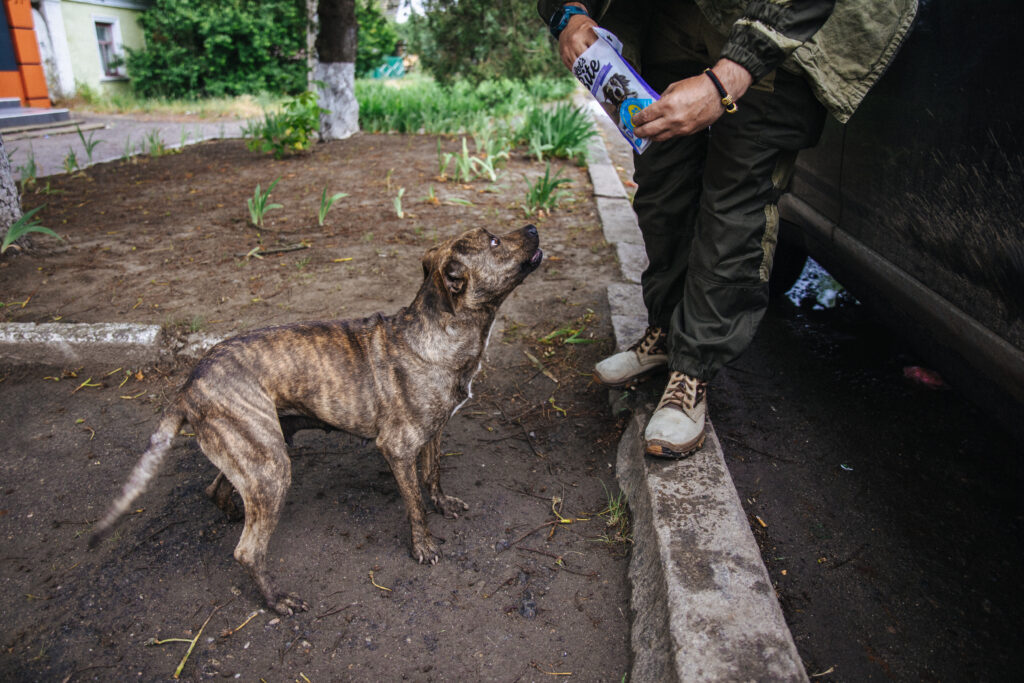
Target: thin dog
column 397, row 379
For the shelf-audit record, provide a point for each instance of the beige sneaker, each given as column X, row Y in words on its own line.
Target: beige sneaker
column 647, row 355
column 677, row 427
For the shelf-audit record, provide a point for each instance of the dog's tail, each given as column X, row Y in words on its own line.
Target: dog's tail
column 159, row 444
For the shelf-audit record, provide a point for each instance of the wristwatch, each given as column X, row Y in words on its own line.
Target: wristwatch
column 561, row 17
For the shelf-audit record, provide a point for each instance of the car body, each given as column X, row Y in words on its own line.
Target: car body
column 917, row 204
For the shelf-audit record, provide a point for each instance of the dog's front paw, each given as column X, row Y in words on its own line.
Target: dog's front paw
column 449, row 506
column 425, row 550
column 286, row 604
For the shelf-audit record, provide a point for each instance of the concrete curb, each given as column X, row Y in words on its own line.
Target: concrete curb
column 703, row 604
column 97, row 344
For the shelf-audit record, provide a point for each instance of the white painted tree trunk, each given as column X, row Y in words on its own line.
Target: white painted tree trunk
column 338, row 96
column 10, row 202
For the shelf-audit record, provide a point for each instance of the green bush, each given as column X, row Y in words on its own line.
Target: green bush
column 481, row 39
column 198, row 48
column 288, row 131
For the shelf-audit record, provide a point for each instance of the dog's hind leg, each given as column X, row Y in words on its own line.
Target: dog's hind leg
column 403, row 466
column 430, row 476
column 252, row 456
column 220, row 493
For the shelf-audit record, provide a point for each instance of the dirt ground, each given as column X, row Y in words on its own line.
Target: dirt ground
column 533, row 577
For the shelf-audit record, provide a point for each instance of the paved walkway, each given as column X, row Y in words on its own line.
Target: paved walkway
column 115, row 136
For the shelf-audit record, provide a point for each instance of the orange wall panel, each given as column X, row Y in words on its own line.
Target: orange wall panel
column 19, row 13
column 26, row 49
column 10, row 85
column 34, row 79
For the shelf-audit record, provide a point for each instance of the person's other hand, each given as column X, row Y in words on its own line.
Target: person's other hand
column 691, row 104
column 576, row 37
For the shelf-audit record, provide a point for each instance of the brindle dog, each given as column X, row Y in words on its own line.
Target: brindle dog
column 397, row 379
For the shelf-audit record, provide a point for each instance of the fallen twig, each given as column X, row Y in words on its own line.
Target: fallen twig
column 377, row 585
column 540, row 366
column 335, row 610
column 228, row 631
column 260, row 252
column 192, row 642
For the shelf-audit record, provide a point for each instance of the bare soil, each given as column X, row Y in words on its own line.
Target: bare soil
column 533, row 579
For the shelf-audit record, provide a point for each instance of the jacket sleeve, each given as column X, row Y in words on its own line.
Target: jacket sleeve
column 547, row 8
column 770, row 30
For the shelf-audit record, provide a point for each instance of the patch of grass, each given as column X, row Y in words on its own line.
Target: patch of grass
column 421, row 105
column 616, row 518
column 561, row 132
column 240, row 107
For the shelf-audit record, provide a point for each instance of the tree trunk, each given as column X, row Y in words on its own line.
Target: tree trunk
column 336, row 68
column 10, row 203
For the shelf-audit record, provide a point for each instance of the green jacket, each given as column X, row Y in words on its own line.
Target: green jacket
column 843, row 46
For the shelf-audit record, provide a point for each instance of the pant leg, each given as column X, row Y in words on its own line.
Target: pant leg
column 669, row 178
column 749, row 162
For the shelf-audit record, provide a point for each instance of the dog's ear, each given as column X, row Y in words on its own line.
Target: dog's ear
column 445, row 282
column 430, row 261
column 453, row 278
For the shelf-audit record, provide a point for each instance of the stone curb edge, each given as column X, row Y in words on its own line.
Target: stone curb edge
column 703, row 604
column 100, row 344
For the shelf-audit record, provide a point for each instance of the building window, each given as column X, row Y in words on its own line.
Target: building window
column 106, row 39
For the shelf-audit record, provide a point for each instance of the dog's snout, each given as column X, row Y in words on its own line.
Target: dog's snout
column 530, row 230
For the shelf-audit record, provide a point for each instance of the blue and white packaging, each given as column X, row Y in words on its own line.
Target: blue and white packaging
column 614, row 84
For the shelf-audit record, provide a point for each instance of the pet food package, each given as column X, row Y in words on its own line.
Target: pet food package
column 614, row 84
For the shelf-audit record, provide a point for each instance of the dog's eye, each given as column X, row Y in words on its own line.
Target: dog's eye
column 495, row 241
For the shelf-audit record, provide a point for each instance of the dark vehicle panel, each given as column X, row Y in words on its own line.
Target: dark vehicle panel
column 916, row 204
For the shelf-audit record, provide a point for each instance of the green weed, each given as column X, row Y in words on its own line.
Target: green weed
column 258, row 203
column 289, row 130
column 28, row 172
column 326, row 203
column 23, row 226
column 398, row 203
column 70, row 163
column 89, row 143
column 545, row 194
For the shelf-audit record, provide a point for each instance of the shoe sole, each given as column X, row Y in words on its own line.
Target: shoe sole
column 633, row 381
column 660, row 449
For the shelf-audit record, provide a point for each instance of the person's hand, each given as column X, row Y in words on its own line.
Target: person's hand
column 576, row 37
column 691, row 104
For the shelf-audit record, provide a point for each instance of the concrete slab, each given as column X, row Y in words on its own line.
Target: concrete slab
column 706, row 609
column 72, row 344
column 618, row 221
column 632, row 261
column 606, row 181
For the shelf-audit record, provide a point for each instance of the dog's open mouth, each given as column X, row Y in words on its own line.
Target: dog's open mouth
column 531, row 264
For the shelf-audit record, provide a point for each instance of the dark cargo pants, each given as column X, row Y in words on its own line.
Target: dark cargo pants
column 706, row 203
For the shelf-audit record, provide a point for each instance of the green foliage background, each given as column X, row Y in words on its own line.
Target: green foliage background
column 216, row 48
column 377, row 37
column 482, row 39
column 197, row 48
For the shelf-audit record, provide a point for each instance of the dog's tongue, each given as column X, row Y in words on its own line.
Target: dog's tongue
column 537, row 256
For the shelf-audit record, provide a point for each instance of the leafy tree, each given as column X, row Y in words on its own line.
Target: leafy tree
column 482, row 39
column 377, row 37
column 200, row 48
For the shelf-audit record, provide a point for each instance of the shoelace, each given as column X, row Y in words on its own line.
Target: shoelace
column 684, row 392
column 653, row 342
